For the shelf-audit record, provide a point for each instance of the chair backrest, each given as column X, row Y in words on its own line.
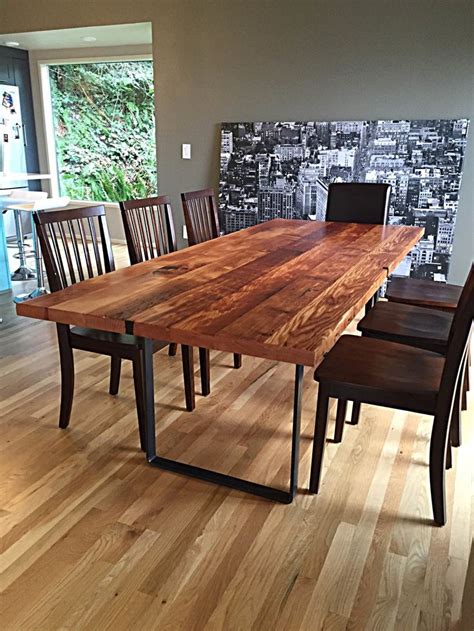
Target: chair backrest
column 149, row 228
column 457, row 348
column 200, row 216
column 355, row 202
column 75, row 244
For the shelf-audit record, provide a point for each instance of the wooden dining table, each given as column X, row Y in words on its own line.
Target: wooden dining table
column 283, row 290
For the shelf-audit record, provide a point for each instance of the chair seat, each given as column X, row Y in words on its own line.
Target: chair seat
column 408, row 324
column 79, row 333
column 424, row 293
column 383, row 373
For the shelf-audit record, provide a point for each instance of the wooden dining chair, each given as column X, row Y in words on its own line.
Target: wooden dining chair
column 424, row 293
column 429, row 294
column 149, row 232
column 358, row 202
column 76, row 246
column 422, row 328
column 202, row 224
column 200, row 216
column 381, row 372
column 149, row 228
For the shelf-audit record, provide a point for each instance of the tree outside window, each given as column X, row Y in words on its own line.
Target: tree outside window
column 104, row 129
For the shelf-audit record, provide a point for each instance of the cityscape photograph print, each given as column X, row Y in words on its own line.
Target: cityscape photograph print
column 283, row 169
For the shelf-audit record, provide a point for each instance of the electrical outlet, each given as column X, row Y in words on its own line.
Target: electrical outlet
column 186, row 151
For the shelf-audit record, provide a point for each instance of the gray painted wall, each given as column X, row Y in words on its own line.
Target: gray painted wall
column 237, row 60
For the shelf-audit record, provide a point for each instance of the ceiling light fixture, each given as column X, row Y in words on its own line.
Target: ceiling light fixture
column 12, row 43
column 89, row 38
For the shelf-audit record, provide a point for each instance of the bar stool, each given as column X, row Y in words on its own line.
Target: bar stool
column 19, row 199
column 40, row 205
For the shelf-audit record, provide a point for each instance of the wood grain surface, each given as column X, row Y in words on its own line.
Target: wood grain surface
column 283, row 290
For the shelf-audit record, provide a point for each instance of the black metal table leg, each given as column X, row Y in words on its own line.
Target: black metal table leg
column 268, row 492
column 295, row 436
column 149, row 396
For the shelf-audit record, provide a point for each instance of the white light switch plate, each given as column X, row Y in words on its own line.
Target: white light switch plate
column 185, row 232
column 186, row 151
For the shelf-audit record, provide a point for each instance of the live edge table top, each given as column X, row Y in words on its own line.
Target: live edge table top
column 282, row 290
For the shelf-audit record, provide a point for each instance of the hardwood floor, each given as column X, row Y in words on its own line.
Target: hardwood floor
column 93, row 538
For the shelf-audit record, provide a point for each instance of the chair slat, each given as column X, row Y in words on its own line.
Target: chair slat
column 57, row 253
column 157, row 228
column 75, row 249
column 67, row 253
column 95, row 246
column 85, row 248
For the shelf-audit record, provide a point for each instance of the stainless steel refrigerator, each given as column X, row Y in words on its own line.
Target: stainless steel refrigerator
column 12, row 149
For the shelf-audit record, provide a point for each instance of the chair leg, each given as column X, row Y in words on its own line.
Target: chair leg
column 204, row 365
column 66, row 359
column 138, row 382
column 319, row 439
column 368, row 305
column 237, row 360
column 465, row 383
column 455, row 430
column 355, row 412
column 172, row 349
column 188, row 375
column 468, row 364
column 115, row 366
column 438, row 454
column 340, row 420
column 449, row 456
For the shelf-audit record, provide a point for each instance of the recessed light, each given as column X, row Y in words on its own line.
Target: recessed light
column 12, row 43
column 89, row 38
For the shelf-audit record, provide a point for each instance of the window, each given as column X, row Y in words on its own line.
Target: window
column 104, row 129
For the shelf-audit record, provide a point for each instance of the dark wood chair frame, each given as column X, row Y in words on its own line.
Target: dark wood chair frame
column 430, row 295
column 83, row 251
column 200, row 216
column 445, row 305
column 149, row 232
column 436, row 345
column 202, row 224
column 440, row 454
column 356, row 202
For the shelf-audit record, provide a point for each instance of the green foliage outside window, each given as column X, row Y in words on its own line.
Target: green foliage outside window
column 105, row 129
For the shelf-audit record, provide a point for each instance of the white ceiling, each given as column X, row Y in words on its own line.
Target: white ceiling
column 113, row 35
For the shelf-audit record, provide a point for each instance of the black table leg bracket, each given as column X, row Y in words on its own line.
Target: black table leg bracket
column 268, row 492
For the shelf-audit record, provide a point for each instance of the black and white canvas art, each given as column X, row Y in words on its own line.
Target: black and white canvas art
column 283, row 169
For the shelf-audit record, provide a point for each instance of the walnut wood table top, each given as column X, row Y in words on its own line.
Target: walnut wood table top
column 282, row 290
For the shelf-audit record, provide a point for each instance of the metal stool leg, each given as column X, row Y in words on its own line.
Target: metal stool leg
column 40, row 289
column 23, row 272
